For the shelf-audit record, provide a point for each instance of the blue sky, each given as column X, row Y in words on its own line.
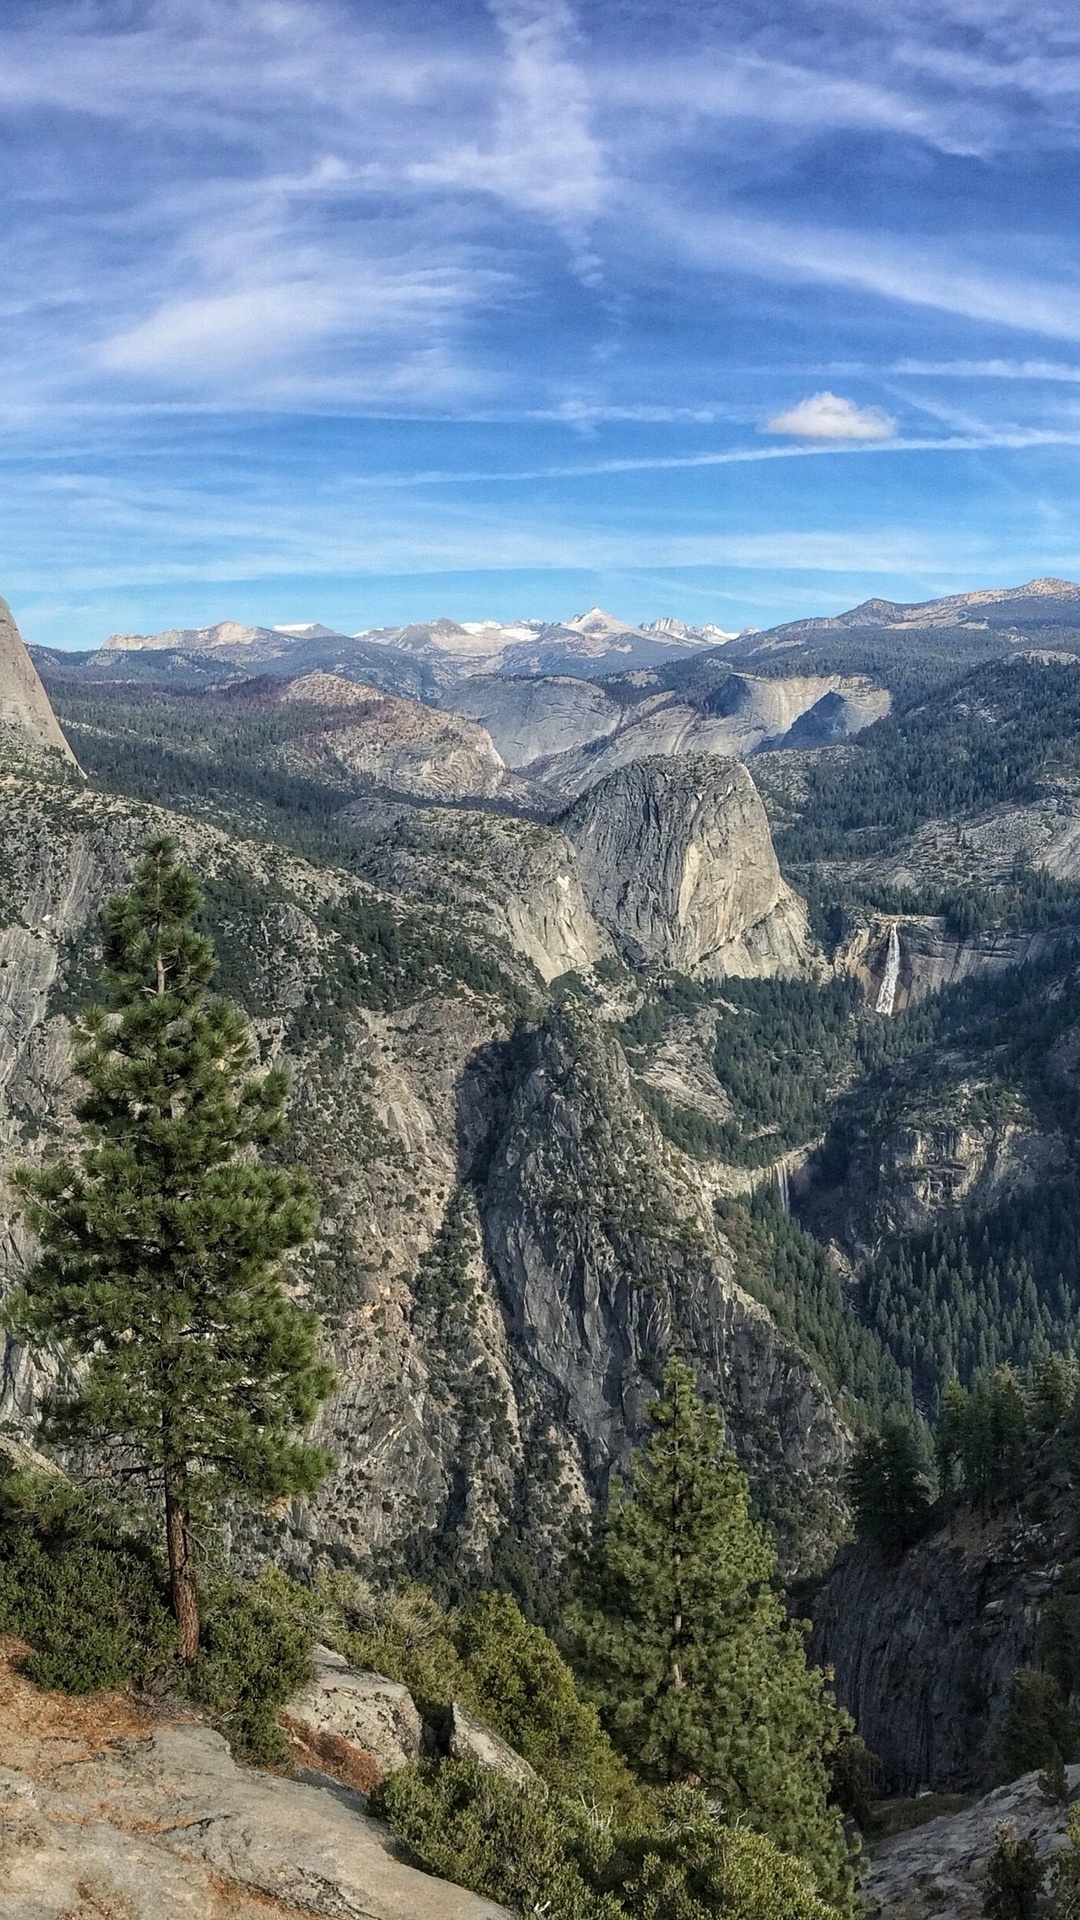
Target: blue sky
column 356, row 312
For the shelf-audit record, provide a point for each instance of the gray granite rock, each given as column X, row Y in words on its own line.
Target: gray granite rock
column 359, row 1726
column 470, row 1739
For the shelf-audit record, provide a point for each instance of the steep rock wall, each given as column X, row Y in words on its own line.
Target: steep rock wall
column 24, row 704
column 677, row 861
column 493, row 1353
column 607, row 1257
column 924, row 1649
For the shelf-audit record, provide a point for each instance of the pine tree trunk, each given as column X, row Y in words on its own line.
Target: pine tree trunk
column 185, row 1596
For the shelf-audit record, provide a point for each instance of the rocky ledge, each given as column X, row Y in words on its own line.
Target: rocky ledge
column 106, row 1810
column 938, row 1871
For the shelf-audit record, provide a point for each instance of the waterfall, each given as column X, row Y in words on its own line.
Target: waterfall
column 886, row 1000
column 782, row 1187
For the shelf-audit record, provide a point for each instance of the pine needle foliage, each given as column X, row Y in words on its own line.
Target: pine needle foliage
column 181, row 1359
column 683, row 1642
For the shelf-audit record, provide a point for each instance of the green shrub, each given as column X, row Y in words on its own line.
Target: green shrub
column 1065, row 1873
column 255, row 1653
column 404, row 1633
column 1039, row 1727
column 526, row 1691
column 496, row 1663
column 543, row 1853
column 697, row 1869
column 79, row 1582
column 510, row 1843
column 1014, row 1877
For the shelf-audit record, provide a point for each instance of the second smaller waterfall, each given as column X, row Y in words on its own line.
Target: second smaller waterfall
column 782, row 1193
column 886, row 1000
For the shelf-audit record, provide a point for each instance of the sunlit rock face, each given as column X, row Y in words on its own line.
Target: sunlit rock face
column 677, row 862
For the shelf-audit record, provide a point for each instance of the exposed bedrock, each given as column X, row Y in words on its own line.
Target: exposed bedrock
column 677, row 861
column 924, row 1649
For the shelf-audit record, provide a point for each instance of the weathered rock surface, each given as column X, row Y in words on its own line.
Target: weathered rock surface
column 107, row 1816
column 603, row 1241
column 401, row 744
column 938, row 1871
column 741, row 715
column 469, row 1739
column 932, row 956
column 514, row 878
column 24, row 703
column 677, row 862
column 529, row 718
column 359, row 1726
column 924, row 1649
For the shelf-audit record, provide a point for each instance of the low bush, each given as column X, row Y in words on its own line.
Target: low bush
column 526, row 1691
column 510, row 1843
column 1014, row 1878
column 79, row 1581
column 495, row 1662
column 544, row 1853
column 698, row 1869
column 1039, row 1727
column 255, row 1653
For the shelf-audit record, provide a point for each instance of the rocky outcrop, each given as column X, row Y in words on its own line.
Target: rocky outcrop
column 931, row 956
column 490, row 1368
column 938, row 1871
column 677, row 862
column 105, row 1813
column 517, row 879
column 361, row 731
column 604, row 1245
column 924, row 1649
column 529, row 718
column 358, row 1726
column 739, row 715
column 24, row 704
column 469, row 1739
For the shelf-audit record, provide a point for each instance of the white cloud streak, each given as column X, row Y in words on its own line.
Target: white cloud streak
column 829, row 416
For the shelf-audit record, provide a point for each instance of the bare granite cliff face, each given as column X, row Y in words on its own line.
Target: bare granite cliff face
column 24, row 704
column 924, row 1648
column 677, row 861
column 349, row 734
column 606, row 1253
column 517, row 879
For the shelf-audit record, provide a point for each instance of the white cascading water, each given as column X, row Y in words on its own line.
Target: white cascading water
column 782, row 1187
column 886, row 1000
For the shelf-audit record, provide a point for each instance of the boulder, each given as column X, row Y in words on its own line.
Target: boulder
column 356, row 1726
column 471, row 1740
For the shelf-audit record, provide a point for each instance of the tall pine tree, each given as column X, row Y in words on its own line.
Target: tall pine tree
column 181, row 1358
column 684, row 1644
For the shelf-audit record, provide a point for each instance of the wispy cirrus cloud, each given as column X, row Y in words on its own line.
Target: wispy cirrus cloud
column 464, row 242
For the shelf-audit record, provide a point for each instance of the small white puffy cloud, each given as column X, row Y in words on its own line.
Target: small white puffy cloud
column 828, row 416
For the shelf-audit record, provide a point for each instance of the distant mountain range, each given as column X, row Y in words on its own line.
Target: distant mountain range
column 426, row 659
column 419, row 657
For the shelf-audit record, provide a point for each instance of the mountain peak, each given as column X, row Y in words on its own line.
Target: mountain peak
column 595, row 622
